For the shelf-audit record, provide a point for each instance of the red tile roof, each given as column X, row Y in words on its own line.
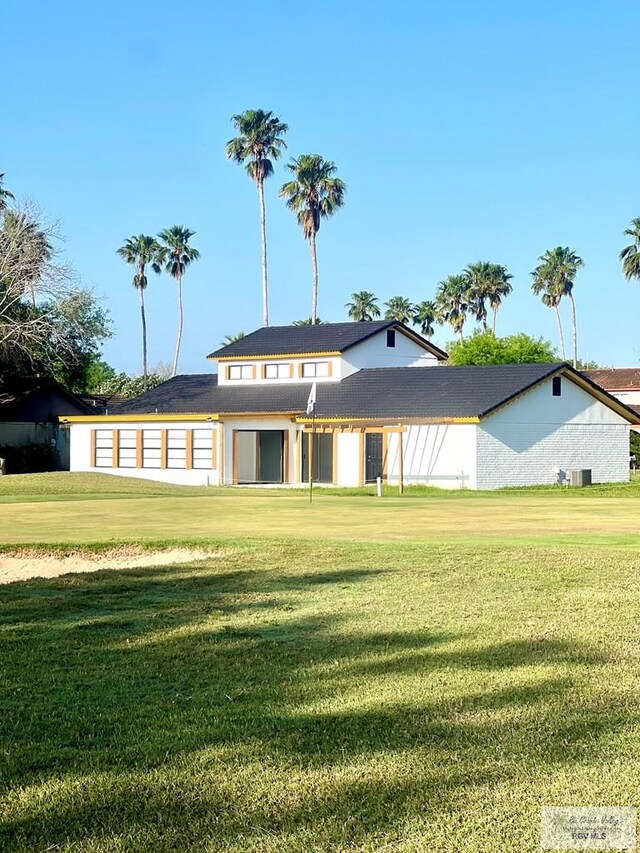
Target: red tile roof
column 615, row 378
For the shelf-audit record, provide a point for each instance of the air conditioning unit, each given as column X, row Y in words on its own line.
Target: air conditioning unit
column 580, row 477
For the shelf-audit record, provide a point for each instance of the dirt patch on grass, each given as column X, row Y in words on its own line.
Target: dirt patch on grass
column 33, row 564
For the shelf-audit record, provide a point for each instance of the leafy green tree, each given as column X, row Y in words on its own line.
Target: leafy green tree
column 140, row 252
column 630, row 255
column 308, row 321
column 5, row 195
column 76, row 326
column 553, row 279
column 175, row 254
column 363, row 306
column 486, row 348
column 259, row 142
column 452, row 302
column 399, row 308
column 313, row 194
column 425, row 315
column 129, row 386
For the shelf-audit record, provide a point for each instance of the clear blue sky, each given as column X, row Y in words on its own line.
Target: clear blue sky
column 467, row 130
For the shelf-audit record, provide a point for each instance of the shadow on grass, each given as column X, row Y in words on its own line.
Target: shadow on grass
column 179, row 708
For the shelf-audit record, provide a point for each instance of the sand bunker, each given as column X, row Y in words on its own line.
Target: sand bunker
column 20, row 567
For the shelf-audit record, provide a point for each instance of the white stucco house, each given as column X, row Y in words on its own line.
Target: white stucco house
column 386, row 405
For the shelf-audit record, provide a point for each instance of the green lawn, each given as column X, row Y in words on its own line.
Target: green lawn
column 418, row 674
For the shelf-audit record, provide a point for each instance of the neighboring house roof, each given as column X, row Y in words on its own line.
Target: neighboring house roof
column 321, row 339
column 104, row 402
column 38, row 399
column 388, row 393
column 616, row 378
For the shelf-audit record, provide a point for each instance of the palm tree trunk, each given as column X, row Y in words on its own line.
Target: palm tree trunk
column 575, row 330
column 144, row 340
column 495, row 317
column 560, row 333
column 174, row 369
column 263, row 232
column 314, row 267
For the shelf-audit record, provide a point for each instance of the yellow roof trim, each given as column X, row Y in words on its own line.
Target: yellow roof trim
column 415, row 420
column 112, row 419
column 271, row 357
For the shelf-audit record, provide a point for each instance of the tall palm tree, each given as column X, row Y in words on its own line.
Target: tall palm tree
column 452, row 302
column 5, row 195
column 399, row 308
column 424, row 316
column 313, row 194
column 543, row 287
column 499, row 287
column 141, row 251
column 630, row 255
column 259, row 142
column 363, row 306
column 554, row 278
column 176, row 254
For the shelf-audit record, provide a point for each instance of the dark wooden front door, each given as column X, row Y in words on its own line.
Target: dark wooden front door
column 373, row 458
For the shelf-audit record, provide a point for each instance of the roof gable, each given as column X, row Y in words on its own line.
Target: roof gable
column 321, row 339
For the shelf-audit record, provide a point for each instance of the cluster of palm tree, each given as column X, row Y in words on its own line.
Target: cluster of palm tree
column 476, row 290
column 483, row 286
column 480, row 287
column 313, row 193
column 170, row 252
column 364, row 307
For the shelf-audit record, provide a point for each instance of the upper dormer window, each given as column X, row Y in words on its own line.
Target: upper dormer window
column 240, row 371
column 391, row 337
column 276, row 371
column 312, row 369
column 556, row 386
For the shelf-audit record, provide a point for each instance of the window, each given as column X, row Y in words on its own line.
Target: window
column 176, row 448
column 241, row 371
column 104, row 448
column 391, row 337
column 276, row 371
column 126, row 448
column 202, row 448
column 151, row 448
column 556, row 386
column 315, row 368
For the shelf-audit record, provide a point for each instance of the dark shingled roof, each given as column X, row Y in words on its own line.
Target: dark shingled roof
column 388, row 392
column 325, row 337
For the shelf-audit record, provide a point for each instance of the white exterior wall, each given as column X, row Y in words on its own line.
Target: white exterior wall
column 80, row 454
column 350, row 468
column 525, row 443
column 629, row 398
column 374, row 352
column 441, row 455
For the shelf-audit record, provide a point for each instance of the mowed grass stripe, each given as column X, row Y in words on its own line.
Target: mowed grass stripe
column 334, row 517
